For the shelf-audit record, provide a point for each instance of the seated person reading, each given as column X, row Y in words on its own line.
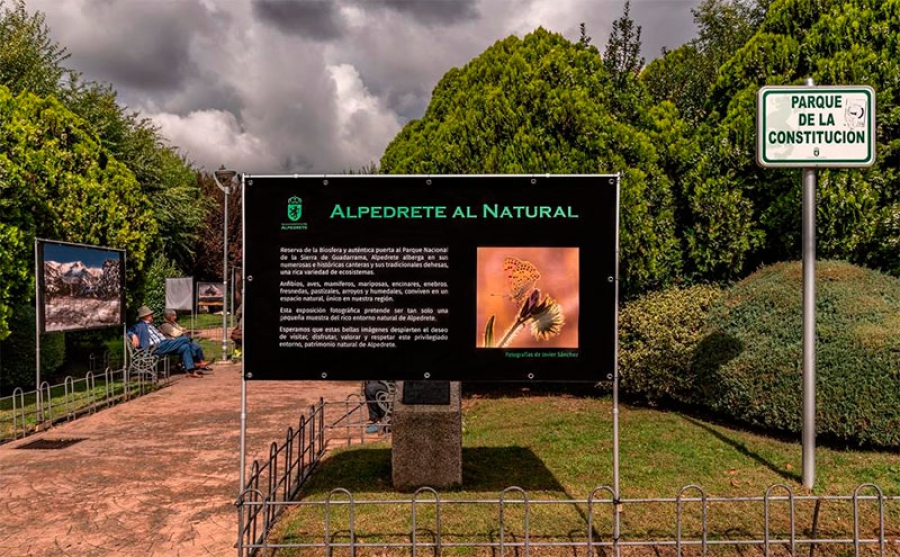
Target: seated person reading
column 146, row 336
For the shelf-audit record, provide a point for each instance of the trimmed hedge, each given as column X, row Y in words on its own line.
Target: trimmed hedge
column 748, row 364
column 657, row 336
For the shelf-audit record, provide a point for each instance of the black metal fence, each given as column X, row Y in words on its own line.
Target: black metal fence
column 279, row 478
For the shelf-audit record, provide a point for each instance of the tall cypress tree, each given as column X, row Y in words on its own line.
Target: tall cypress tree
column 622, row 57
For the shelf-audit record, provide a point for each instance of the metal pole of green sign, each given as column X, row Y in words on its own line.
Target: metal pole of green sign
column 810, row 127
column 809, row 328
column 809, row 324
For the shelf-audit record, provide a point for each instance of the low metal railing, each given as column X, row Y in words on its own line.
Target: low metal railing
column 701, row 524
column 279, row 478
column 26, row 412
column 518, row 536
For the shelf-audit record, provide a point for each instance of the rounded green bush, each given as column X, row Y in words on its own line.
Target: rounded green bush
column 748, row 364
column 657, row 336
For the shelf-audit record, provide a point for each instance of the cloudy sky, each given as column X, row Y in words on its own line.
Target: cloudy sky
column 309, row 86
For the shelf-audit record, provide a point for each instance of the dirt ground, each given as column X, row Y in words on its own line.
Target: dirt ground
column 155, row 476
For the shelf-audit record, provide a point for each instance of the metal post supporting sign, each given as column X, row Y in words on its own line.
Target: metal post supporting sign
column 225, row 180
column 813, row 127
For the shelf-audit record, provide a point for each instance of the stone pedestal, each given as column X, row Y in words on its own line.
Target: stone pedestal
column 426, row 440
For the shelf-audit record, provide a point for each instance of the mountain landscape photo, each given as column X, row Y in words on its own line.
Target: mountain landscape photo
column 77, row 296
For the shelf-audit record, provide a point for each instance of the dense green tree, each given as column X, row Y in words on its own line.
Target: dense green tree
column 623, row 62
column 164, row 179
column 686, row 74
column 209, row 246
column 29, row 59
column 166, row 176
column 539, row 105
column 833, row 42
column 159, row 270
column 57, row 182
column 678, row 76
column 179, row 205
column 724, row 26
column 718, row 223
column 622, row 56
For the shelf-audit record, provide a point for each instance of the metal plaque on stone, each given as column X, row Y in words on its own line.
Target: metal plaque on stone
column 426, row 392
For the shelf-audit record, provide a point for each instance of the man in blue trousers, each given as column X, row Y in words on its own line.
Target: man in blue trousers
column 146, row 336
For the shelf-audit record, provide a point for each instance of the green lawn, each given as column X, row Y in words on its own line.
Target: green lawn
column 559, row 448
column 204, row 321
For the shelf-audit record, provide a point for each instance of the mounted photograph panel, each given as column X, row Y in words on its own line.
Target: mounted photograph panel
column 81, row 287
column 210, row 294
column 475, row 278
column 180, row 293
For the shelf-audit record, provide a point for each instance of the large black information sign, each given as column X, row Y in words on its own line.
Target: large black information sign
column 475, row 278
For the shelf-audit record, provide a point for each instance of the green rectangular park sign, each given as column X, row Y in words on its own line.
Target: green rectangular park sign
column 815, row 126
column 476, row 278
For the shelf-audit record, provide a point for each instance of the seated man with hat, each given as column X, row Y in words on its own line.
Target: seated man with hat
column 146, row 336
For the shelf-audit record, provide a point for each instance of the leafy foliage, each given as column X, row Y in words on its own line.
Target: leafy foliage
column 658, row 334
column 677, row 76
column 18, row 352
column 833, row 42
column 724, row 26
column 155, row 291
column 59, row 183
column 76, row 189
column 538, row 105
column 164, row 175
column 29, row 59
column 622, row 57
column 686, row 74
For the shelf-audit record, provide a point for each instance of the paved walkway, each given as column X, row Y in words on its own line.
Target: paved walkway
column 155, row 476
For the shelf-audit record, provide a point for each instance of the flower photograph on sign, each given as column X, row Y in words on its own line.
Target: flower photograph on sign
column 527, row 297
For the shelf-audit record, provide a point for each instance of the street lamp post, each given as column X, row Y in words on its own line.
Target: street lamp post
column 225, row 179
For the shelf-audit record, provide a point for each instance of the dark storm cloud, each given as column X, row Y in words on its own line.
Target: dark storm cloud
column 313, row 19
column 204, row 91
column 164, row 71
column 309, row 85
column 295, row 163
column 433, row 12
column 664, row 23
column 136, row 46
